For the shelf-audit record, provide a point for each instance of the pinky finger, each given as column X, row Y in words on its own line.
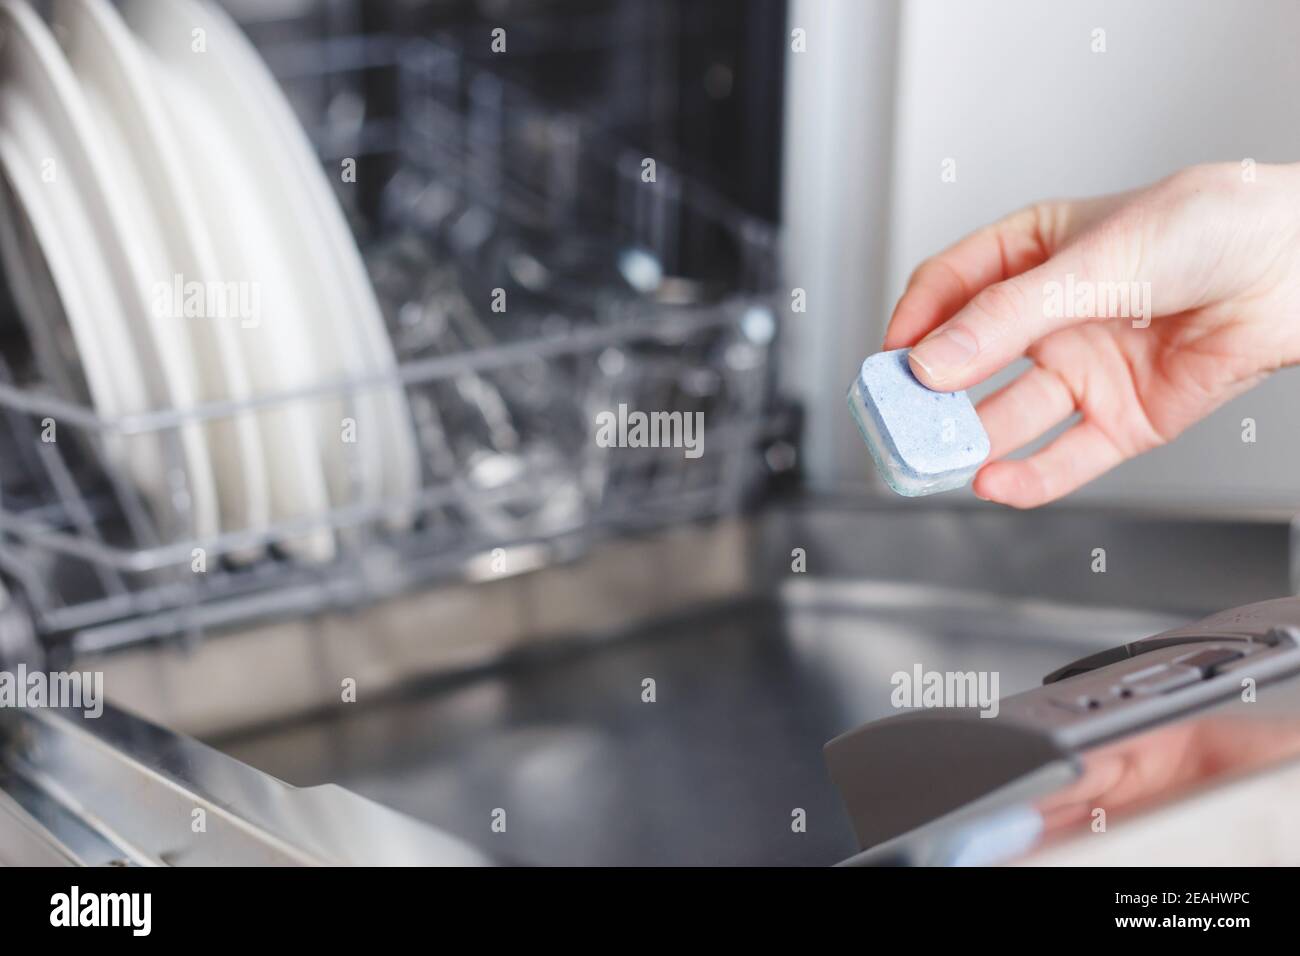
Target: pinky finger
column 1080, row 454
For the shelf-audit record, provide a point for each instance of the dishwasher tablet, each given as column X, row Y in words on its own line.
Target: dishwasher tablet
column 923, row 441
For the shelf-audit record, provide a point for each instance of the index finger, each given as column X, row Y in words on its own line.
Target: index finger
column 1024, row 240
column 944, row 283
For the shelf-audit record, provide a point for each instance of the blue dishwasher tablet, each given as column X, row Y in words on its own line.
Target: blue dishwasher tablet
column 923, row 441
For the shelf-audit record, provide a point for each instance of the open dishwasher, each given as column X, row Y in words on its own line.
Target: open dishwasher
column 625, row 291
column 574, row 654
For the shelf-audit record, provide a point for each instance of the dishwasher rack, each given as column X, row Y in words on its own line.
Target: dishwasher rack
column 652, row 293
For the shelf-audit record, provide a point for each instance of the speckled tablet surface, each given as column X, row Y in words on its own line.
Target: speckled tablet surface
column 923, row 441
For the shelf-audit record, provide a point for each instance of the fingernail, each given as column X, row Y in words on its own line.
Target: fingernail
column 941, row 356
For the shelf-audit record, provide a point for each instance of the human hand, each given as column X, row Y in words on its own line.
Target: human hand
column 1195, row 289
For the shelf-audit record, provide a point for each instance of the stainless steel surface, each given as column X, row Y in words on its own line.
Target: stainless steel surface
column 525, row 694
column 255, row 676
column 118, row 790
column 711, row 772
column 25, row 840
column 1177, row 560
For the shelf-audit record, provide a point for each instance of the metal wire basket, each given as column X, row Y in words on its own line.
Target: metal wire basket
column 624, row 291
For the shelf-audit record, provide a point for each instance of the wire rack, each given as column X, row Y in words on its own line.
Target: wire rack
column 653, row 295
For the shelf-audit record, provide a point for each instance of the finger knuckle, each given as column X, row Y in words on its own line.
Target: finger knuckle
column 921, row 272
column 936, row 271
column 1111, row 250
column 999, row 305
column 1047, row 219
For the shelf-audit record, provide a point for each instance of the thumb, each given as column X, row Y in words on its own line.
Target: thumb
column 1004, row 319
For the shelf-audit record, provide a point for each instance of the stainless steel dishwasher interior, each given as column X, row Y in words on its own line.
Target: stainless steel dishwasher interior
column 525, row 695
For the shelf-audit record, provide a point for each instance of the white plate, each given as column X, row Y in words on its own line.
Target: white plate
column 357, row 312
column 20, row 248
column 36, row 298
column 64, row 184
column 202, row 351
column 380, row 466
column 235, row 195
column 278, row 351
column 225, row 74
column 361, row 313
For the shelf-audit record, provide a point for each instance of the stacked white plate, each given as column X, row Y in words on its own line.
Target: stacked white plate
column 200, row 256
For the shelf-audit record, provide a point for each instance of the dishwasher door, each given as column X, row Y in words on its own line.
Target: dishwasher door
column 114, row 790
column 662, row 700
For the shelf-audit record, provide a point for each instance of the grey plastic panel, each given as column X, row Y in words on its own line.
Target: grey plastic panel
column 902, row 773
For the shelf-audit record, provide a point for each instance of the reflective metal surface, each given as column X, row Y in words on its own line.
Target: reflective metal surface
column 117, row 790
column 711, row 772
column 522, row 700
column 1216, row 787
column 1139, row 724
